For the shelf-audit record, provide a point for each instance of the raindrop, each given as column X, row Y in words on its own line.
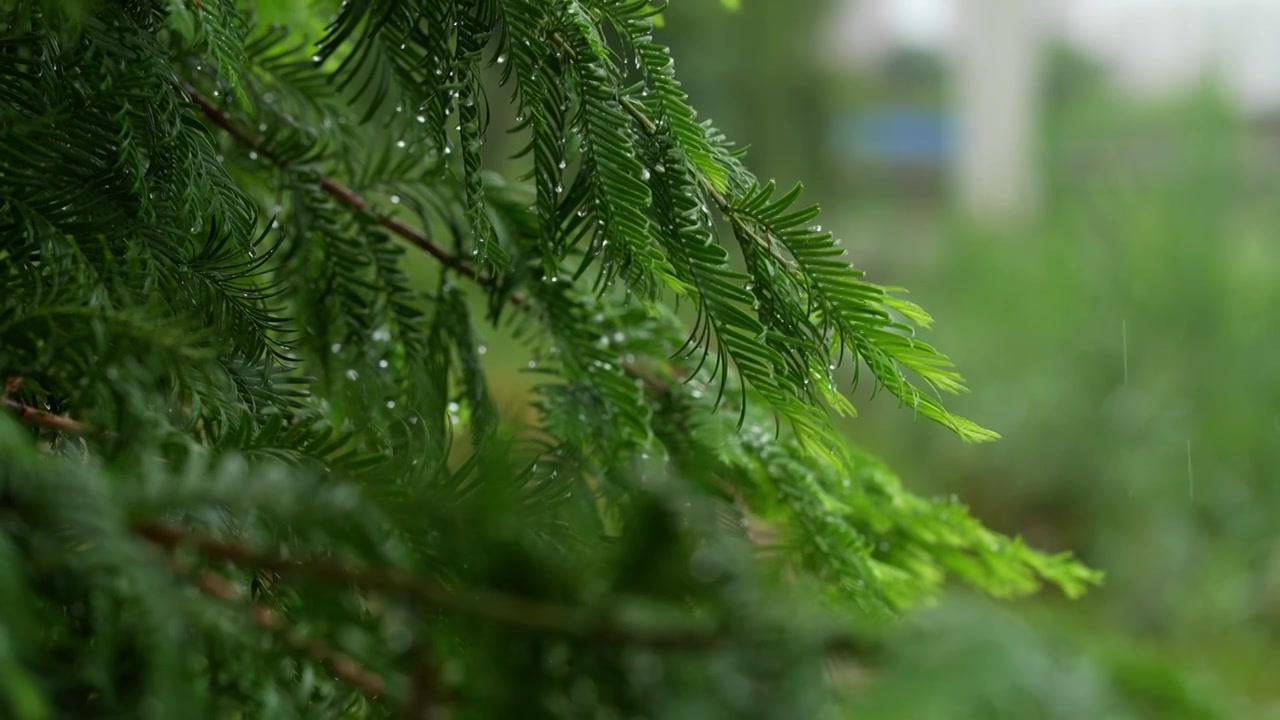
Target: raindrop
column 644, row 174
column 454, row 407
column 482, row 349
column 391, row 404
column 399, row 143
column 316, row 59
column 395, row 199
column 422, row 118
column 383, row 364
column 253, row 154
column 502, row 58
column 563, row 164
column 353, row 375
column 335, row 348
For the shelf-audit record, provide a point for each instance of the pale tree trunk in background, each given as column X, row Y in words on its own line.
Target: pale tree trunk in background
column 999, row 58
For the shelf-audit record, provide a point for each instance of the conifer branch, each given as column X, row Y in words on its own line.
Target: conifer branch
column 652, row 128
column 354, row 200
column 337, row 190
column 496, row 607
column 342, row 666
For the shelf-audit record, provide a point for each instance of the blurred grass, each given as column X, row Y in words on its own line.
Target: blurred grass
column 1122, row 345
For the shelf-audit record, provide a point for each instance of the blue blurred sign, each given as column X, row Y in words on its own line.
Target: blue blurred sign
column 899, row 136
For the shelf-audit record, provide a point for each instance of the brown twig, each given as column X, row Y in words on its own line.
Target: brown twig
column 426, row 690
column 354, row 200
column 494, row 607
column 45, row 419
column 340, row 192
column 342, row 666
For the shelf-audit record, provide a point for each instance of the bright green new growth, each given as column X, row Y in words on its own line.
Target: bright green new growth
column 251, row 470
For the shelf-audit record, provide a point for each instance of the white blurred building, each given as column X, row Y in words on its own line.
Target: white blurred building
column 1150, row 46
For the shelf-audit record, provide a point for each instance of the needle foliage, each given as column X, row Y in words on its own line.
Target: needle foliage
column 250, row 468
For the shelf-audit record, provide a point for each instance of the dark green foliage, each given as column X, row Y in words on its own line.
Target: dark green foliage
column 251, row 468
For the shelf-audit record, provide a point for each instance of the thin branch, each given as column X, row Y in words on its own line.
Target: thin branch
column 494, row 607
column 426, row 691
column 343, row 194
column 342, row 666
column 352, row 199
column 49, row 421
